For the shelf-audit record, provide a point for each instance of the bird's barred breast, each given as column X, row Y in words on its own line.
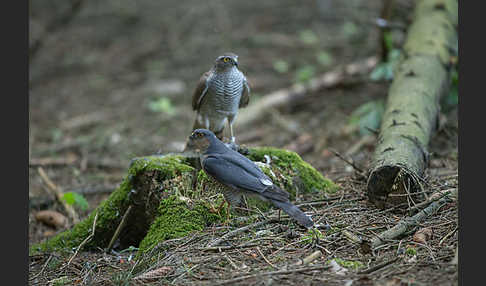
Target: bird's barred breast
column 228, row 88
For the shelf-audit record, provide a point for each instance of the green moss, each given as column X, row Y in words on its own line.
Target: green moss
column 290, row 162
column 169, row 166
column 64, row 280
column 311, row 235
column 411, row 251
column 350, row 264
column 109, row 210
column 176, row 219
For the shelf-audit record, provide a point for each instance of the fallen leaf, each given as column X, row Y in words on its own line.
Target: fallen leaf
column 49, row 233
column 51, row 218
column 422, row 235
column 154, row 274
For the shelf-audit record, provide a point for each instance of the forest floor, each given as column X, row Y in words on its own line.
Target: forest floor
column 112, row 85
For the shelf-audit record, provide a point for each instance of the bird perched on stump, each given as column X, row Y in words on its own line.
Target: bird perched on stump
column 221, row 91
column 239, row 175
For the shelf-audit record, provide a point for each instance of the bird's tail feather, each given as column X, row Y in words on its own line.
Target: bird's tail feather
column 295, row 213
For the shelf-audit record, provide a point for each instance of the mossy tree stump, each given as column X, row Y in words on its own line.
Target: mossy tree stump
column 164, row 204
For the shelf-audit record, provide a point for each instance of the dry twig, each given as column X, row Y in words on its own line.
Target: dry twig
column 279, row 272
column 58, row 194
column 119, row 228
column 378, row 266
column 240, row 230
column 407, row 223
column 264, row 258
column 360, row 171
column 85, row 240
column 313, row 256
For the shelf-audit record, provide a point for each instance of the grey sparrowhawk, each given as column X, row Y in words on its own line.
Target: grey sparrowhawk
column 219, row 94
column 239, row 175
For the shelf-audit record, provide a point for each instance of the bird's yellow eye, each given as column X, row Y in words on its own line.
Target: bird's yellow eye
column 226, row 60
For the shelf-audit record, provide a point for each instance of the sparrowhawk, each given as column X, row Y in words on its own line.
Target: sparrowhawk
column 239, row 175
column 221, row 91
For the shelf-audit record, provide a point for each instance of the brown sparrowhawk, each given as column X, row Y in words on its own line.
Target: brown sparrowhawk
column 219, row 94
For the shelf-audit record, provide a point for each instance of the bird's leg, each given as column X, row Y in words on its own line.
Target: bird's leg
column 233, row 140
column 232, row 144
column 230, row 120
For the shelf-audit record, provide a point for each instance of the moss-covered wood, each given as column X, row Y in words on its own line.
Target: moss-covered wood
column 165, row 205
column 412, row 109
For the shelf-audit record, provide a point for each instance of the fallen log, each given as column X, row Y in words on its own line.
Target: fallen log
column 411, row 114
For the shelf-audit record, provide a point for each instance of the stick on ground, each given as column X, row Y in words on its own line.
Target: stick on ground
column 408, row 223
column 85, row 240
column 119, row 228
column 240, row 230
column 280, row 272
column 58, row 194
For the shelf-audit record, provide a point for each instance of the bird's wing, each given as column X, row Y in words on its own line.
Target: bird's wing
column 245, row 96
column 231, row 174
column 200, row 91
column 236, row 172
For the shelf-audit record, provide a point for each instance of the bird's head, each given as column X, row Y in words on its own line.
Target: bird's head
column 200, row 140
column 227, row 60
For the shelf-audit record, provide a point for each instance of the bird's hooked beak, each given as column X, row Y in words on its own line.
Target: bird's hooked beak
column 196, row 144
column 190, row 145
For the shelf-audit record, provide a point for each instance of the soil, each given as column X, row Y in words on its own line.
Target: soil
column 113, row 80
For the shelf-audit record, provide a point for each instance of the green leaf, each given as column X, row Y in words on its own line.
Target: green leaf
column 162, row 104
column 308, row 37
column 80, row 201
column 394, row 55
column 368, row 115
column 379, row 72
column 324, row 58
column 69, row 198
column 349, row 29
column 56, row 134
column 75, row 199
column 281, row 66
column 304, row 73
